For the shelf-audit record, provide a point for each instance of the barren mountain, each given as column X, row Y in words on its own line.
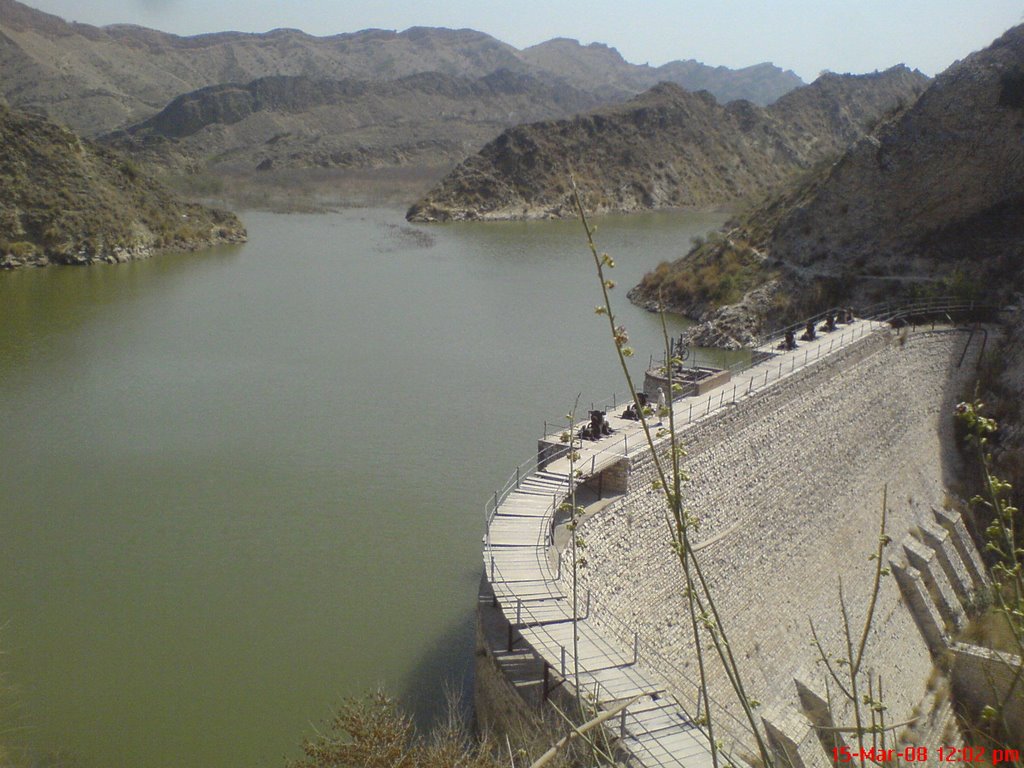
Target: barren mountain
column 932, row 201
column 601, row 68
column 65, row 200
column 298, row 122
column 100, row 79
column 666, row 147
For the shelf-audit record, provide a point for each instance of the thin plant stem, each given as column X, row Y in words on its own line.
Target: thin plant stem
column 701, row 601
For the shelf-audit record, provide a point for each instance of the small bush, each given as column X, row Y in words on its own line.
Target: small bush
column 22, row 249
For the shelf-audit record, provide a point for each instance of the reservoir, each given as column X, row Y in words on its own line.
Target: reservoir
column 237, row 486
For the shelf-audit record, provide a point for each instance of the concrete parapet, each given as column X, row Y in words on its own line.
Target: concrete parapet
column 550, row 450
column 692, row 382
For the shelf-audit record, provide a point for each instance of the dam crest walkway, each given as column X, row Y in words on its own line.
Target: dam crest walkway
column 523, row 567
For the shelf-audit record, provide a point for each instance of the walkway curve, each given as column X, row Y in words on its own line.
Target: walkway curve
column 523, row 568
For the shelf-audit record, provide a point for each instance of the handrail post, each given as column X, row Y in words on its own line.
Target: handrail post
column 517, row 477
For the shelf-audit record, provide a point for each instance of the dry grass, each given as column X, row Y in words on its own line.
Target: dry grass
column 373, row 732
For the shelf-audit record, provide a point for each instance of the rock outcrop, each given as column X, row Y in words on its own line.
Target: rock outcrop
column 64, row 200
column 932, row 201
column 667, row 147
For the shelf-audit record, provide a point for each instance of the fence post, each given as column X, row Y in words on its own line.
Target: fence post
column 563, row 662
column 622, row 725
column 517, row 477
column 690, row 417
column 636, row 646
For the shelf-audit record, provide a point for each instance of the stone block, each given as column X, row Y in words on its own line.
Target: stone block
column 927, row 617
column 927, row 563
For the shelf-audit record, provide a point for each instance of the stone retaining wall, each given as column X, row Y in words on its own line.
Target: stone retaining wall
column 788, row 486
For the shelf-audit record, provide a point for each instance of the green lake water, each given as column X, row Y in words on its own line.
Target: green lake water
column 237, row 486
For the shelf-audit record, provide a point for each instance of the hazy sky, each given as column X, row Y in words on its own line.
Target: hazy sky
column 806, row 36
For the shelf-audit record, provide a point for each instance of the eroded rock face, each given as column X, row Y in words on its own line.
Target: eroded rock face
column 903, row 200
column 665, row 148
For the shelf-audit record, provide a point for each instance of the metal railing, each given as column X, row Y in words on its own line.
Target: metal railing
column 873, row 318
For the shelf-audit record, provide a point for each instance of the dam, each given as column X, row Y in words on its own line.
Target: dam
column 788, row 460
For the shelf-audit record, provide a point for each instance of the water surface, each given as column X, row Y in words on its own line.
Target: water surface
column 237, row 486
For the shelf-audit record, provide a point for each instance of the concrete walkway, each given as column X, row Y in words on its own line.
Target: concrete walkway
column 518, row 559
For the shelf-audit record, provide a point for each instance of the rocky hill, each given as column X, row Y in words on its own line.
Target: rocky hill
column 667, row 147
column 602, row 69
column 101, row 79
column 930, row 202
column 298, row 122
column 64, row 200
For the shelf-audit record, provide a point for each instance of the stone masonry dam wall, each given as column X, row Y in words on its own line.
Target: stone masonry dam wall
column 788, row 487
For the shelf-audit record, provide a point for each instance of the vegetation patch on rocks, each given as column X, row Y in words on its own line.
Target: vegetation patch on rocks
column 64, row 200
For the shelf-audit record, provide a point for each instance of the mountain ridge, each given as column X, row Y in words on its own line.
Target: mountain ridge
column 299, row 122
column 98, row 79
column 665, row 148
column 931, row 201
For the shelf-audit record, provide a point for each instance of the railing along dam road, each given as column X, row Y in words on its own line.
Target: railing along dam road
column 523, row 567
